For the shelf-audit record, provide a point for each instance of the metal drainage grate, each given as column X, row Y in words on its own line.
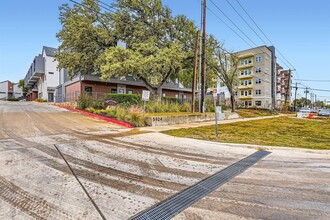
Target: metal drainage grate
column 182, row 200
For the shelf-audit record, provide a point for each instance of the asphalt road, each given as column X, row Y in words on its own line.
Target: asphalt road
column 125, row 174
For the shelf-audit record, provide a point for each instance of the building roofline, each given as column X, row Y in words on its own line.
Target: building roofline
column 263, row 46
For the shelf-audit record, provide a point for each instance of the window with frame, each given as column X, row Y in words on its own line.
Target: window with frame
column 258, row 103
column 88, row 90
column 258, row 59
column 113, row 91
column 258, row 70
column 258, row 92
column 250, row 92
column 242, row 93
column 258, row 81
column 129, row 91
column 249, row 81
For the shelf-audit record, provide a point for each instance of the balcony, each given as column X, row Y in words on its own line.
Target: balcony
column 242, row 87
column 36, row 70
column 245, row 76
column 242, row 97
column 242, row 66
column 247, row 55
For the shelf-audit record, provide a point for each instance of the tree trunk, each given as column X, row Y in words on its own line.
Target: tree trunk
column 159, row 93
column 232, row 103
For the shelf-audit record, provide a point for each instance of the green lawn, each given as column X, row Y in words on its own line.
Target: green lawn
column 282, row 131
column 252, row 113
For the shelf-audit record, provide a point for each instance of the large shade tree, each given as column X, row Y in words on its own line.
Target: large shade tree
column 159, row 45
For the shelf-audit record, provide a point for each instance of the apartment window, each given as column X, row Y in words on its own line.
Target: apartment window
column 250, row 103
column 258, row 59
column 258, row 81
column 258, row 103
column 51, row 73
column 250, row 81
column 250, row 92
column 114, row 91
column 258, row 92
column 235, row 93
column 88, row 90
column 246, row 62
column 242, row 93
column 129, row 91
column 258, row 70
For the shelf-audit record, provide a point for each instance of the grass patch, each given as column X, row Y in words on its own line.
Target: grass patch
column 252, row 113
column 282, row 131
column 172, row 113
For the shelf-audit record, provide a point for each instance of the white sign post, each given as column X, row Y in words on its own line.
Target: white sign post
column 215, row 97
column 145, row 97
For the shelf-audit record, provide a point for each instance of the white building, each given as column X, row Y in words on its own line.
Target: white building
column 10, row 90
column 43, row 76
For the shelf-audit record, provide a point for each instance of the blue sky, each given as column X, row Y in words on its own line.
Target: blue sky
column 299, row 29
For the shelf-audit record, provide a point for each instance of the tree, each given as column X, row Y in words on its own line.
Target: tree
column 21, row 84
column 225, row 66
column 159, row 45
column 85, row 34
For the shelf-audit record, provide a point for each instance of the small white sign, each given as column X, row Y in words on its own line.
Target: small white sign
column 145, row 95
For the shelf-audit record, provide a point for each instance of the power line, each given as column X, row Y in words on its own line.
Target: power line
column 313, row 80
column 233, row 23
column 245, row 21
column 266, row 37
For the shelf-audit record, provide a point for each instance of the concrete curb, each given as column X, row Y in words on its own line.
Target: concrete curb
column 112, row 120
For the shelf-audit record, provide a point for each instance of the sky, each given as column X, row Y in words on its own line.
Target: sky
column 299, row 29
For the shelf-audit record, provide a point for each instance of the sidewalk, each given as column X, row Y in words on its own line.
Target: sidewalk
column 200, row 124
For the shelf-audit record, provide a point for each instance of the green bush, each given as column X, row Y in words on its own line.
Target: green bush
column 171, row 100
column 185, row 107
column 137, row 120
column 12, row 99
column 40, row 100
column 131, row 99
column 84, row 101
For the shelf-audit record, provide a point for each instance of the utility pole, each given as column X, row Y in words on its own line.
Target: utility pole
column 195, row 75
column 203, row 60
column 295, row 96
column 287, row 90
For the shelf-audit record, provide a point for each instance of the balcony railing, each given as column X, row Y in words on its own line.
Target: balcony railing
column 36, row 69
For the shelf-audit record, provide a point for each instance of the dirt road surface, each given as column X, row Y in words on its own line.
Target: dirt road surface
column 124, row 174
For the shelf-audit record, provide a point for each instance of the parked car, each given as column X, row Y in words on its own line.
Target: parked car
column 305, row 110
column 324, row 112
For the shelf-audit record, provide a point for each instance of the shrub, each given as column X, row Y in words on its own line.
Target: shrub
column 137, row 120
column 121, row 113
column 84, row 101
column 185, row 107
column 132, row 99
column 90, row 109
column 98, row 104
column 40, row 100
column 12, row 99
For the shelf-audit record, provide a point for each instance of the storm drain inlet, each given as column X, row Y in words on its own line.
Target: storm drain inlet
column 184, row 199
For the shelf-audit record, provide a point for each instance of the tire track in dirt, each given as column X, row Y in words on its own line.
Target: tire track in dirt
column 145, row 165
column 111, row 171
column 159, row 151
column 97, row 178
column 111, row 138
column 34, row 206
